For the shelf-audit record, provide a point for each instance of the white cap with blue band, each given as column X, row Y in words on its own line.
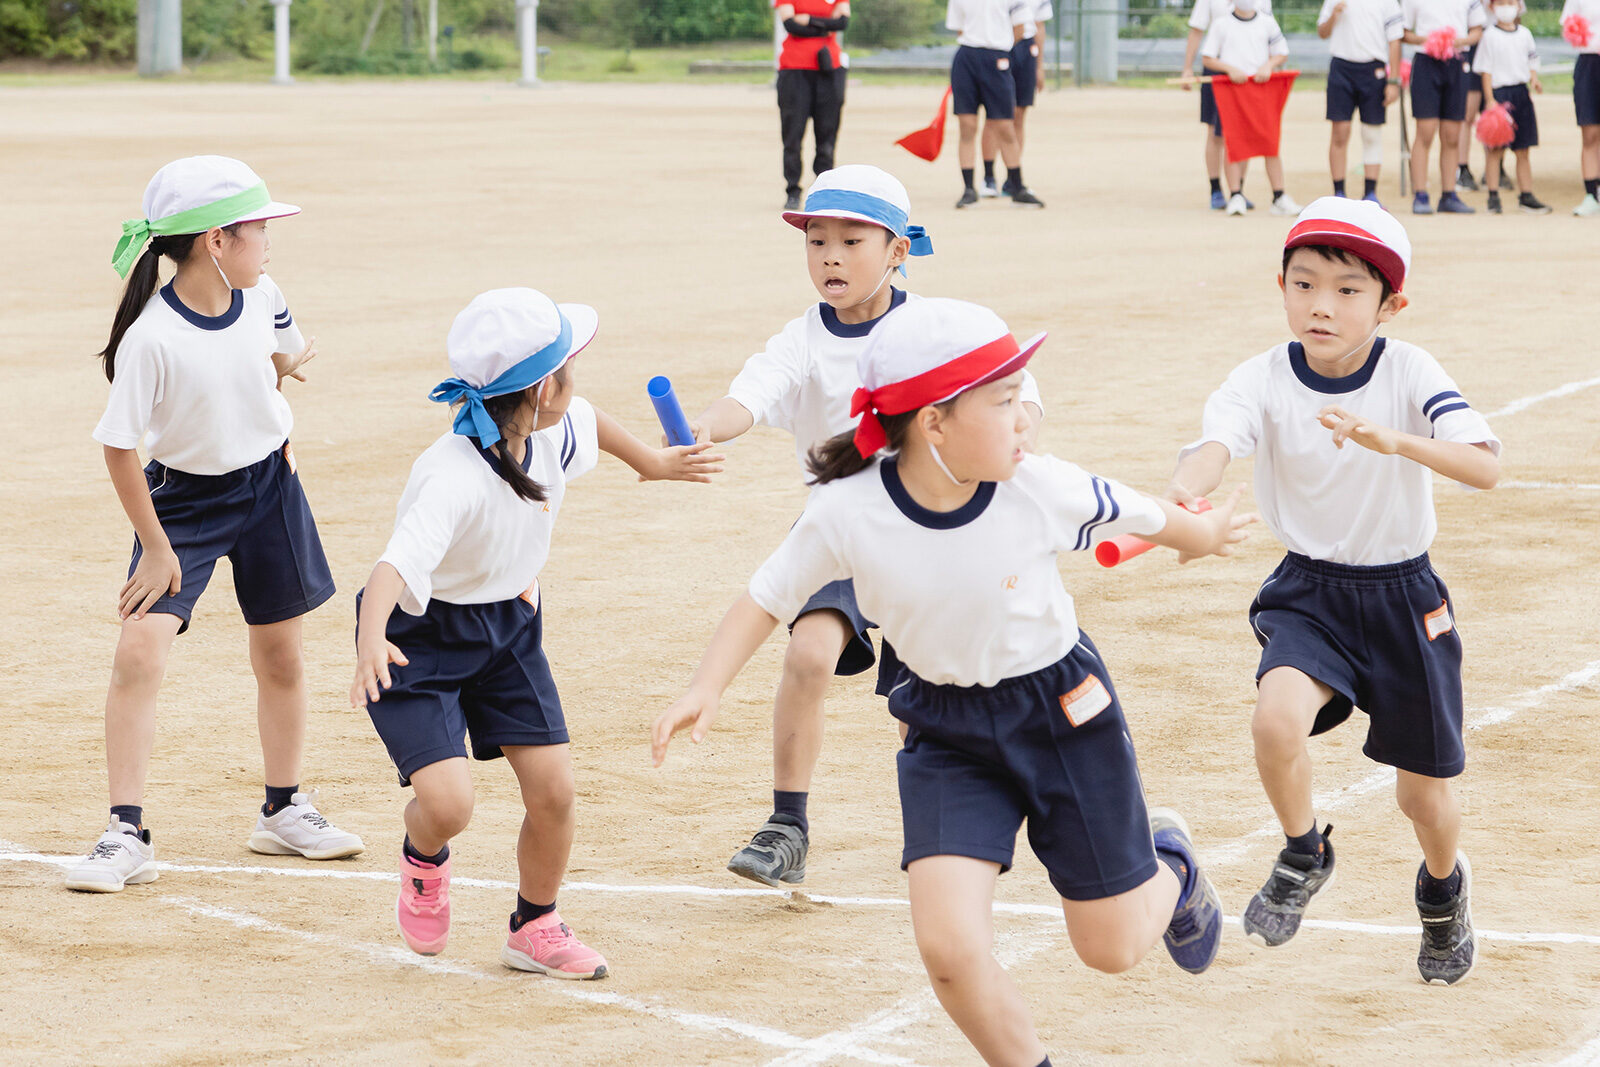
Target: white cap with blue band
column 862, row 193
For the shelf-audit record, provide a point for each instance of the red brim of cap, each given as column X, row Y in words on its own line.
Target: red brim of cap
column 1006, row 369
column 1357, row 242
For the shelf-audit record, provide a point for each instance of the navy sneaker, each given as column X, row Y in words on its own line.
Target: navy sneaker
column 1449, row 945
column 969, row 196
column 774, row 856
column 1249, row 205
column 1372, row 198
column 1219, row 200
column 1273, row 915
column 1451, row 204
column 1420, row 205
column 1196, row 928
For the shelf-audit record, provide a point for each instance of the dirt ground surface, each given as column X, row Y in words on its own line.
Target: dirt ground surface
column 658, row 205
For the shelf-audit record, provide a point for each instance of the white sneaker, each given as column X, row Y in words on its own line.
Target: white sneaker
column 988, row 190
column 1236, row 205
column 1590, row 206
column 300, row 830
column 122, row 856
column 1285, row 205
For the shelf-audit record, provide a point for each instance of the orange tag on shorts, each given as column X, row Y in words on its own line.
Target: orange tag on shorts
column 288, row 457
column 1438, row 621
column 1086, row 700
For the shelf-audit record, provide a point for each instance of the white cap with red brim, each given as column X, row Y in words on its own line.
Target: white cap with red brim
column 1359, row 227
column 926, row 352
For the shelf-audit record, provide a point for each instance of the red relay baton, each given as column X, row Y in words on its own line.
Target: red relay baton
column 1124, row 547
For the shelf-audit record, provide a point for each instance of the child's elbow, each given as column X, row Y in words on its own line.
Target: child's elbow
column 1489, row 475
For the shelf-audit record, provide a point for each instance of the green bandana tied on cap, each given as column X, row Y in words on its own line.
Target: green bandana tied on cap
column 228, row 210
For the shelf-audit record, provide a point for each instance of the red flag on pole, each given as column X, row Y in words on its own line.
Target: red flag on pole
column 926, row 142
column 1252, row 113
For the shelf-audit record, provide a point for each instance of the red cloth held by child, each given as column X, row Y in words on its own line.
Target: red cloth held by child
column 1252, row 113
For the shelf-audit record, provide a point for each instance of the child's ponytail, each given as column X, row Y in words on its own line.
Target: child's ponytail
column 838, row 457
column 502, row 409
column 142, row 283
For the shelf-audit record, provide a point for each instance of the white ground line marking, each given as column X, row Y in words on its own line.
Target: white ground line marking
column 1579, row 487
column 1528, row 401
column 1587, row 1056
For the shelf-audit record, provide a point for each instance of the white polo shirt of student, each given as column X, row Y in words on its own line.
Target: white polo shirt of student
column 1364, row 29
column 1345, row 505
column 461, row 535
column 803, row 380
column 203, row 388
column 1425, row 16
column 1509, row 57
column 1590, row 10
column 986, row 23
column 1205, row 12
column 1039, row 12
column 1245, row 43
column 967, row 597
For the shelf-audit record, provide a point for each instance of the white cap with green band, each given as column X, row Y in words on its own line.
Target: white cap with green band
column 193, row 195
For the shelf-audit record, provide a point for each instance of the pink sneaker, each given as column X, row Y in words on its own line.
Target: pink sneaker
column 548, row 945
column 423, row 909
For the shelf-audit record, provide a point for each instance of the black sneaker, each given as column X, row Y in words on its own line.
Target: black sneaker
column 969, row 196
column 1493, row 206
column 1449, row 946
column 1532, row 205
column 1465, row 182
column 777, row 854
column 792, row 203
column 1273, row 915
column 1021, row 195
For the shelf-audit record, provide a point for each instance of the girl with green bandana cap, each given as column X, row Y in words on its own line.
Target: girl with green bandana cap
column 195, row 368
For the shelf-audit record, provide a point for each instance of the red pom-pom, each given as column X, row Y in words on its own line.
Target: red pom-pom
column 1405, row 72
column 1575, row 28
column 1441, row 43
column 1495, row 126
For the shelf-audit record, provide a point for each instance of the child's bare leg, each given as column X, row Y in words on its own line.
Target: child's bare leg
column 544, row 773
column 1275, row 172
column 1020, row 120
column 1235, row 172
column 1287, row 701
column 1114, row 933
column 1491, row 169
column 279, row 665
column 1524, row 171
column 1005, row 133
column 136, row 673
column 798, row 715
column 989, row 145
column 1435, row 814
column 1214, row 153
column 442, row 806
column 1474, row 101
column 1339, row 150
column 967, row 146
column 1427, row 129
column 1589, row 153
column 952, row 898
column 1449, row 151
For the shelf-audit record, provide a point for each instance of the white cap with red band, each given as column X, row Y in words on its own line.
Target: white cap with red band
column 926, row 352
column 1361, row 228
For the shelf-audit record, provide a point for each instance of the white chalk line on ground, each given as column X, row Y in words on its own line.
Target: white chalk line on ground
column 1554, row 394
column 1575, row 487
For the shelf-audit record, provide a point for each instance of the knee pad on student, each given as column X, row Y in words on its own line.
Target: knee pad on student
column 1371, row 145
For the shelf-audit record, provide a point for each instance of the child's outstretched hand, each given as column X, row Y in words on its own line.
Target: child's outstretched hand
column 691, row 708
column 157, row 574
column 288, row 364
column 372, row 669
column 1224, row 530
column 1358, row 428
column 683, row 463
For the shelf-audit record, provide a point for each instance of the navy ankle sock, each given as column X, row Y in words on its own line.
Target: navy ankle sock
column 1308, row 843
column 1180, row 867
column 436, row 859
column 988, row 171
column 1369, row 186
column 278, row 798
column 1216, row 185
column 1014, row 177
column 966, row 176
column 132, row 814
column 1338, row 187
column 527, row 912
column 1431, row 890
column 794, row 806
column 1592, row 186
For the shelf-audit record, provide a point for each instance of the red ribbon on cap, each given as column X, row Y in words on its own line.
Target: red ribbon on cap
column 929, row 387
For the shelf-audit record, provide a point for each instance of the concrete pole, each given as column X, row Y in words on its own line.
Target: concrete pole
column 280, row 42
column 160, row 37
column 433, row 32
column 528, row 34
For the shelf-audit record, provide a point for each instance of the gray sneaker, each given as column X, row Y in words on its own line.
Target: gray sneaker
column 1449, row 945
column 1273, row 915
column 777, row 854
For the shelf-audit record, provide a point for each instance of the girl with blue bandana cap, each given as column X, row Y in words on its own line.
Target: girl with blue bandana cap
column 196, row 368
column 449, row 633
column 858, row 234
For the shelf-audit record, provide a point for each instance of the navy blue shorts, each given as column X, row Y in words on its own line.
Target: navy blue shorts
column 258, row 517
column 1208, row 108
column 1438, row 89
column 1050, row 748
column 1356, row 86
column 1526, row 134
column 1586, row 89
column 1025, row 70
column 841, row 597
column 1384, row 640
column 476, row 670
column 983, row 76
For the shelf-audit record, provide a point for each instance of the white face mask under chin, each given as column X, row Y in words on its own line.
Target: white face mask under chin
column 224, row 277
column 1358, row 347
column 874, row 292
column 940, row 461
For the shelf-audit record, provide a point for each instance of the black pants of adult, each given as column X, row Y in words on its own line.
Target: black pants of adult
column 817, row 96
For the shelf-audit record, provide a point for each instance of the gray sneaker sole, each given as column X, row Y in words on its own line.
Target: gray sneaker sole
column 753, row 873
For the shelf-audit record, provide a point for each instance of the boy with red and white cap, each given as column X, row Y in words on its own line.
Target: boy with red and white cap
column 951, row 534
column 449, row 633
column 857, row 234
column 195, row 371
column 1349, row 429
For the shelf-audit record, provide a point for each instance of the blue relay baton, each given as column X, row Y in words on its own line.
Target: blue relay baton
column 669, row 411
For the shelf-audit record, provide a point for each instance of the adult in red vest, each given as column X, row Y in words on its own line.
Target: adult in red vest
column 810, row 83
